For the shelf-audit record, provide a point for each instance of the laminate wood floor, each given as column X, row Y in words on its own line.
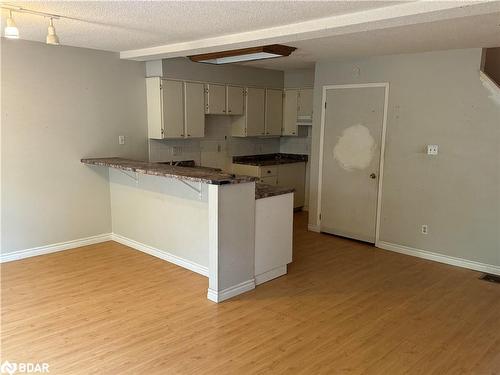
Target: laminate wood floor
column 344, row 308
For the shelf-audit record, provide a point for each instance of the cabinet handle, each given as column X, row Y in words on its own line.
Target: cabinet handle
column 229, row 111
column 189, row 135
column 224, row 110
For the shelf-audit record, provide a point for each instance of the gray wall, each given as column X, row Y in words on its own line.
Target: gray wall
column 182, row 68
column 435, row 98
column 60, row 104
column 298, row 78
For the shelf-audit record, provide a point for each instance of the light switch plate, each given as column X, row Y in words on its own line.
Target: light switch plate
column 432, row 149
column 121, row 139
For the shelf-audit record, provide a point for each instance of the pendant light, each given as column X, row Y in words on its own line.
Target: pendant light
column 52, row 37
column 11, row 31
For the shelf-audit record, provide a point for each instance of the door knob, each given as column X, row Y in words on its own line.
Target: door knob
column 373, row 176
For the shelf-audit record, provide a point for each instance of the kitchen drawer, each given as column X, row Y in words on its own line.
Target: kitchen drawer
column 271, row 170
column 270, row 180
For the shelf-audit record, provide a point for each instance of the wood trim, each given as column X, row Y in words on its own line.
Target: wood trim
column 436, row 257
column 53, row 248
column 277, row 49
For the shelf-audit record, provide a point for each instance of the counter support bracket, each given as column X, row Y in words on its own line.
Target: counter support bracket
column 134, row 177
column 197, row 190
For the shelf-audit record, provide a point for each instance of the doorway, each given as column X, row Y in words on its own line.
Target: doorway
column 351, row 159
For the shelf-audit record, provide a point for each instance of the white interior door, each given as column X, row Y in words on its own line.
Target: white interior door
column 353, row 126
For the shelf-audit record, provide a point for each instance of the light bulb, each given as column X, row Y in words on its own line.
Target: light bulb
column 11, row 31
column 52, row 37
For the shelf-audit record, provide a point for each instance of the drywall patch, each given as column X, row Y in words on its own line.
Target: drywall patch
column 355, row 148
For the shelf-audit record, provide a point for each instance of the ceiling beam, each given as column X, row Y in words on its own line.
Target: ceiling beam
column 404, row 14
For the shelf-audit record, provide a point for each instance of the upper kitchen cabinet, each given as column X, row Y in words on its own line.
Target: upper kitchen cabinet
column 235, row 100
column 305, row 104
column 215, row 99
column 297, row 107
column 252, row 122
column 194, row 115
column 224, row 100
column 175, row 108
column 290, row 109
column 274, row 112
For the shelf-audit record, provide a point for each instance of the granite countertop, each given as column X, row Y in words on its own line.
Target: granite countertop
column 211, row 176
column 270, row 159
column 265, row 190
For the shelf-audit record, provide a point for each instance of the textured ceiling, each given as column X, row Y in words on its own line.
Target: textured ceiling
column 130, row 25
column 125, row 25
column 468, row 32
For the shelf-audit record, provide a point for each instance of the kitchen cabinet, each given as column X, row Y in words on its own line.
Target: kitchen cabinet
column 252, row 122
column 294, row 175
column 175, row 108
column 297, row 107
column 215, row 99
column 224, row 100
column 274, row 112
column 286, row 175
column 290, row 103
column 305, row 104
column 235, row 100
column 194, row 115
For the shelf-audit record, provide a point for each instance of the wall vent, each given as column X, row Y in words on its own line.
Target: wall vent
column 491, row 278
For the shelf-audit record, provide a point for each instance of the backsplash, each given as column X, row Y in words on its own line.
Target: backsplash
column 217, row 148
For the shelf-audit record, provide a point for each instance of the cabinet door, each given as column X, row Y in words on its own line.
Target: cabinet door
column 254, row 111
column 235, row 100
column 271, row 180
column 173, row 109
column 154, row 105
column 215, row 99
column 274, row 112
column 290, row 112
column 305, row 103
column 294, row 175
column 194, row 109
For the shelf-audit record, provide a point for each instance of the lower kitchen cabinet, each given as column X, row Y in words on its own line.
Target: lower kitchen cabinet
column 294, row 175
column 286, row 175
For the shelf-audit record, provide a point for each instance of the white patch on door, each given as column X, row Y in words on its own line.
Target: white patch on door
column 355, row 149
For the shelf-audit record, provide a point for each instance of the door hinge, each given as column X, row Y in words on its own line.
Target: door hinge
column 325, row 105
column 320, row 216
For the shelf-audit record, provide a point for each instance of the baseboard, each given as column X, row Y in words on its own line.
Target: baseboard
column 53, row 248
column 313, row 228
column 269, row 275
column 459, row 262
column 219, row 296
column 164, row 255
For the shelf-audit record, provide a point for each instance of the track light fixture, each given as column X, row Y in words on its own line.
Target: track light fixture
column 11, row 31
column 52, row 37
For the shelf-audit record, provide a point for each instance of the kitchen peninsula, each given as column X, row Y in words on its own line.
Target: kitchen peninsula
column 224, row 226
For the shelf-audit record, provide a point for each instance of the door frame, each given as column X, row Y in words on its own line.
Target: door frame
column 385, row 85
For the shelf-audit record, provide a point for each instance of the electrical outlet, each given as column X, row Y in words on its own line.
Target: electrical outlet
column 425, row 229
column 432, row 149
column 176, row 151
column 121, row 139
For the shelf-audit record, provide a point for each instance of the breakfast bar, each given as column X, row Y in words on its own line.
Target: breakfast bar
column 224, row 226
